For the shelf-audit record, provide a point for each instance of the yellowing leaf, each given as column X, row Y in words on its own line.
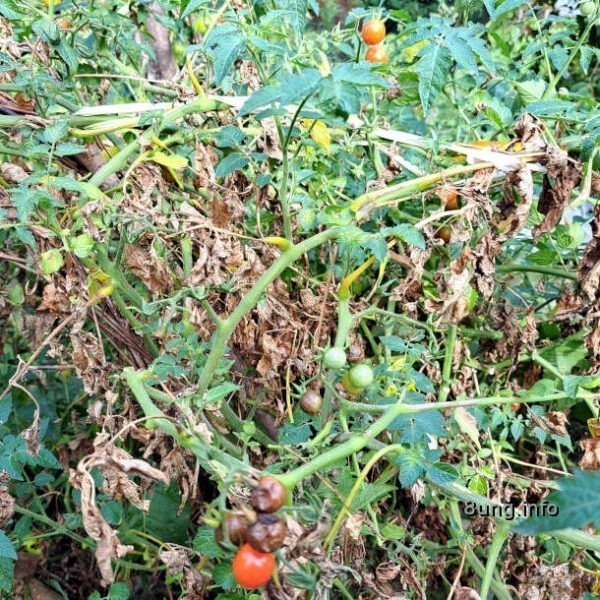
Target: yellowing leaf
column 409, row 54
column 319, row 133
column 171, row 161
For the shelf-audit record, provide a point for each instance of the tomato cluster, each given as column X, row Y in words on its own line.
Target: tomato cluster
column 355, row 380
column 373, row 33
column 258, row 533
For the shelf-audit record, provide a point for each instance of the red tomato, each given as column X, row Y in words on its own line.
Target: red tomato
column 373, row 32
column 251, row 568
column 377, row 54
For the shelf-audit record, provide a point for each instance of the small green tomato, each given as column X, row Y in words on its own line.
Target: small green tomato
column 334, row 358
column 361, row 375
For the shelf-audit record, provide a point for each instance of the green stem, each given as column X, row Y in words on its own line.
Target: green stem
column 537, row 269
column 353, row 444
column 502, row 532
column 448, row 362
column 552, row 85
column 201, row 104
column 226, row 327
column 57, row 527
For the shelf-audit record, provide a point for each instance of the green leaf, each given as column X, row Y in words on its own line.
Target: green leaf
column 5, row 408
column 507, row 6
column 82, row 245
column 10, row 10
column 225, row 42
column 577, row 504
column 407, row 233
column 223, row 576
column 189, row 6
column 119, row 591
column 206, row 544
column 370, row 493
column 297, row 10
column 7, row 573
column 6, row 547
column 232, row 162
column 166, row 519
column 51, row 261
column 412, row 466
column 442, row 473
column 432, row 69
column 549, row 107
column 391, row 531
column 531, row 90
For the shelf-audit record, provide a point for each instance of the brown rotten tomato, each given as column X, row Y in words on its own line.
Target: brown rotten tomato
column 237, row 528
column 269, row 495
column 267, row 534
column 311, row 402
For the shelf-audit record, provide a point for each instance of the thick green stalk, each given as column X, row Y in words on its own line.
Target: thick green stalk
column 119, row 160
column 512, row 268
column 355, row 443
column 448, row 362
column 226, row 326
column 502, row 532
column 552, row 85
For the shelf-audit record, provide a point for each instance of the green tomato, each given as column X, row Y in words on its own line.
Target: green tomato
column 200, row 25
column 178, row 48
column 588, row 8
column 361, row 375
column 334, row 358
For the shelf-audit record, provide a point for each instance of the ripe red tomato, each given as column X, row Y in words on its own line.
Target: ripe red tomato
column 377, row 54
column 373, row 32
column 251, row 568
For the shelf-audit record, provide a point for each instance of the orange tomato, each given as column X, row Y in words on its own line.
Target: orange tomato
column 373, row 32
column 377, row 54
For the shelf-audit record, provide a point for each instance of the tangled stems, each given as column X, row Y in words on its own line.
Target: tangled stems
column 355, row 443
column 225, row 327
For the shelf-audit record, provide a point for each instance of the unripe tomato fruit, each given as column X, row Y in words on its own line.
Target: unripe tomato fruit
column 373, row 32
column 377, row 54
column 334, row 358
column 267, row 534
column 311, row 402
column 349, row 388
column 587, row 9
column 251, row 568
column 269, row 495
column 361, row 376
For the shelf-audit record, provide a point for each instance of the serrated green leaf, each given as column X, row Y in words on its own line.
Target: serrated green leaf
column 119, row 591
column 577, row 504
column 232, row 162
column 407, row 233
column 412, row 466
column 206, row 544
column 432, row 69
column 6, row 547
column 51, row 261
